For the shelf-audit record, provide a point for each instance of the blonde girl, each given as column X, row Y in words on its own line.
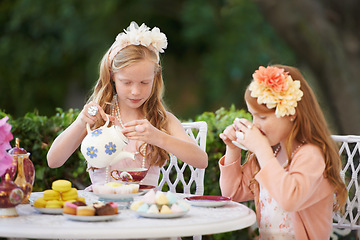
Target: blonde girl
column 129, row 91
column 293, row 167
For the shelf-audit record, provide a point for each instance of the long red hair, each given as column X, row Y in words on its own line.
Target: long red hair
column 310, row 125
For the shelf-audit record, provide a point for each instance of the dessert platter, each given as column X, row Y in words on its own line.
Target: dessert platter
column 117, row 191
column 208, row 201
column 51, row 201
column 49, row 210
column 90, row 218
column 95, row 212
column 157, row 204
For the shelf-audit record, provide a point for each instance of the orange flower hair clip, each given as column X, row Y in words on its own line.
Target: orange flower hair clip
column 275, row 88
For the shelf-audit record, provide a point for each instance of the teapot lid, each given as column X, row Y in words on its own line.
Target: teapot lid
column 17, row 150
column 8, row 183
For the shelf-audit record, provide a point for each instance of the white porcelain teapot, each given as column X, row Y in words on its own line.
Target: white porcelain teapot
column 103, row 146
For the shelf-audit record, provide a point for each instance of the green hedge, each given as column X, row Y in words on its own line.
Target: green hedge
column 36, row 134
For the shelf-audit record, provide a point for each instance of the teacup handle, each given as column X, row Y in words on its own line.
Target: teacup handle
column 105, row 125
column 117, row 172
column 124, row 176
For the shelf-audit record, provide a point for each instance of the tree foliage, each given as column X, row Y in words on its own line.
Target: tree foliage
column 50, row 50
column 325, row 36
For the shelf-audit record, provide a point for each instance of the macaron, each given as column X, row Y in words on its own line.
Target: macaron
column 40, row 202
column 61, row 185
column 81, row 199
column 54, row 204
column 51, row 195
column 69, row 195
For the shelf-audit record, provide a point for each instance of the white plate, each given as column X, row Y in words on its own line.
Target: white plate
column 111, row 196
column 90, row 218
column 161, row 215
column 208, row 201
column 50, row 210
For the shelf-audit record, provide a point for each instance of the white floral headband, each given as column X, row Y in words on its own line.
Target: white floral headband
column 274, row 87
column 135, row 35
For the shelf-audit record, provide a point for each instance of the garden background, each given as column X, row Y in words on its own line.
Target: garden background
column 50, row 53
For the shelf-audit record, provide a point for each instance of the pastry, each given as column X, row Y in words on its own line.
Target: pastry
column 134, row 188
column 161, row 199
column 115, row 188
column 51, row 195
column 135, row 205
column 82, row 199
column 54, row 204
column 115, row 206
column 159, row 202
column 85, row 211
column 102, row 209
column 79, row 203
column 70, row 208
column 165, row 209
column 153, row 209
column 176, row 209
column 171, row 197
column 184, row 205
column 149, row 197
column 143, row 207
column 69, row 195
column 61, row 185
column 40, row 202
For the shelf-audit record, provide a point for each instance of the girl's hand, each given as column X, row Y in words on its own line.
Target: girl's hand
column 90, row 115
column 141, row 130
column 229, row 135
column 249, row 135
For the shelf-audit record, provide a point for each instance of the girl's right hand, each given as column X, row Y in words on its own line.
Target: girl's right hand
column 229, row 135
column 85, row 116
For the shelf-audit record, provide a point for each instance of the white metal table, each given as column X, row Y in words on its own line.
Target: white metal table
column 128, row 225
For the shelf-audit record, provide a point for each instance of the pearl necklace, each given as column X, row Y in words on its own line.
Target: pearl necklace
column 116, row 114
column 296, row 149
column 276, row 152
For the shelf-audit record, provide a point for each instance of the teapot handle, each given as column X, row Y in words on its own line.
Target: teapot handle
column 105, row 125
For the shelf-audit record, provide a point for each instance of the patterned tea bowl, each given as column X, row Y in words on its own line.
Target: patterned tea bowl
column 131, row 175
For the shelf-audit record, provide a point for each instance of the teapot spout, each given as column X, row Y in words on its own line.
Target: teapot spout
column 123, row 155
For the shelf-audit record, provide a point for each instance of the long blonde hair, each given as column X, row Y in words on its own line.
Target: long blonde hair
column 310, row 126
column 153, row 109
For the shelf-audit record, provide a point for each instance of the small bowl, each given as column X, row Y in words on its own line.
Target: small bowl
column 133, row 175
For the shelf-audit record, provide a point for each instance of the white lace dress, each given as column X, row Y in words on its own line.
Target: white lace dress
column 275, row 223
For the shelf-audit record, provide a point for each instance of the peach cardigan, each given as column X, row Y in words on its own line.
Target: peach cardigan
column 302, row 190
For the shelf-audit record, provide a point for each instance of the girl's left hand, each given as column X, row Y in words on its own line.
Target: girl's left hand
column 141, row 130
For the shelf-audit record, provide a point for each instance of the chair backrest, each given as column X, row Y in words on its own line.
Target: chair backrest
column 179, row 176
column 350, row 154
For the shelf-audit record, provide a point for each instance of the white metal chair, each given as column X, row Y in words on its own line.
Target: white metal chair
column 181, row 177
column 350, row 155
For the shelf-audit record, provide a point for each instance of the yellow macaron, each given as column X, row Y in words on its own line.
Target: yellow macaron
column 81, row 199
column 54, row 204
column 69, row 195
column 61, row 185
column 40, row 202
column 51, row 195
